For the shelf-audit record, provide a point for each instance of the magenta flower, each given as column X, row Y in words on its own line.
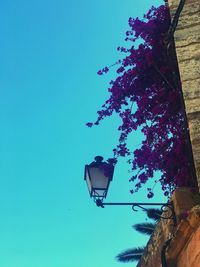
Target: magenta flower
column 89, row 124
column 150, row 194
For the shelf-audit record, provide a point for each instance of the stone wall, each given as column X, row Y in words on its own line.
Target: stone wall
column 184, row 248
column 185, row 235
column 187, row 42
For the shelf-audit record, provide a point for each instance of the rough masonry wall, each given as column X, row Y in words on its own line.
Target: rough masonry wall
column 187, row 42
column 184, row 249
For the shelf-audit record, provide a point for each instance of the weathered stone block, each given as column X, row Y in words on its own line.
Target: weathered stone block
column 187, row 36
column 189, row 51
column 192, row 105
column 184, row 199
column 189, row 69
column 191, row 249
column 191, row 89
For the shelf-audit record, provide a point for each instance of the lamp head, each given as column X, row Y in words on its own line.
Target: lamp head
column 98, row 176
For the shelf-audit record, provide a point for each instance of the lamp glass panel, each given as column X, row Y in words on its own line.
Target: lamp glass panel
column 99, row 193
column 98, row 178
column 88, row 181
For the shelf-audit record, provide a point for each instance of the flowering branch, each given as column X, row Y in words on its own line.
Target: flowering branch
column 145, row 78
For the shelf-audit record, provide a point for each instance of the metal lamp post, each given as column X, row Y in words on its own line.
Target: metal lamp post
column 98, row 176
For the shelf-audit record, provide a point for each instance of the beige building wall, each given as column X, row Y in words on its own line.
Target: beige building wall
column 187, row 42
column 184, row 249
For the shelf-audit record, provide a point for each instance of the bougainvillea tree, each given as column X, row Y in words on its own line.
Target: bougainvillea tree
column 145, row 80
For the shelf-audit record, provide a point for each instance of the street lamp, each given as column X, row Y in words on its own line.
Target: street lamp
column 98, row 176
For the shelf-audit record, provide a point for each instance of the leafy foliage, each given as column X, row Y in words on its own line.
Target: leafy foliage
column 145, row 228
column 133, row 254
column 154, row 214
column 146, row 80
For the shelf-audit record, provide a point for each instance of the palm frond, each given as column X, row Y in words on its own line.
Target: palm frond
column 145, row 228
column 154, row 214
column 129, row 255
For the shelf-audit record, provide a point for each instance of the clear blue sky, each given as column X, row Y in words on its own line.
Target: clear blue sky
column 50, row 52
